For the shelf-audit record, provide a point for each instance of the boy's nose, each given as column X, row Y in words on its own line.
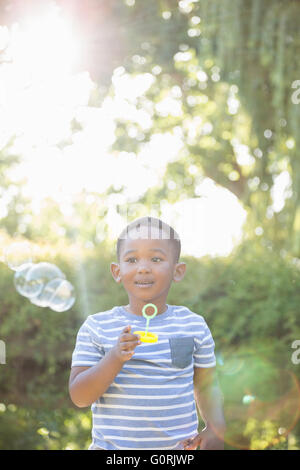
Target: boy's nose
column 143, row 267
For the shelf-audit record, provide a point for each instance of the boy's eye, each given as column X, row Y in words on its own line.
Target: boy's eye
column 155, row 259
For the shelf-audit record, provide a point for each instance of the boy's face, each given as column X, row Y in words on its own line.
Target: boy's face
column 147, row 268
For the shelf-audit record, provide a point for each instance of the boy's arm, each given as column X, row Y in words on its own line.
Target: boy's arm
column 209, row 397
column 209, row 401
column 87, row 384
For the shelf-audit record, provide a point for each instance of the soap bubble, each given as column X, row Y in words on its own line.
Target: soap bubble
column 21, row 285
column 63, row 297
column 46, row 294
column 57, row 294
column 45, row 285
column 37, row 278
column 17, row 254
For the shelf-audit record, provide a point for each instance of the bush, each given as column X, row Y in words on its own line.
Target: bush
column 250, row 301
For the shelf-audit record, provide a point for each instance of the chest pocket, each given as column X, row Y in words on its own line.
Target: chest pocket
column 182, row 349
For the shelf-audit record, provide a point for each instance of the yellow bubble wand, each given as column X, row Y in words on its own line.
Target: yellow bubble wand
column 146, row 336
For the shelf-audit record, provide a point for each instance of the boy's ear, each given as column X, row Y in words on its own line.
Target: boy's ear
column 115, row 270
column 179, row 272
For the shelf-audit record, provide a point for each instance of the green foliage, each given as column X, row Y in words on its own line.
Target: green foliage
column 41, row 429
column 242, row 51
column 247, row 50
column 250, row 301
column 13, row 203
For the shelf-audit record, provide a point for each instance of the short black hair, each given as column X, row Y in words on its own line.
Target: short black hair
column 152, row 222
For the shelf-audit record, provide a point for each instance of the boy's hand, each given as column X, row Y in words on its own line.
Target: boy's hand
column 127, row 342
column 206, row 439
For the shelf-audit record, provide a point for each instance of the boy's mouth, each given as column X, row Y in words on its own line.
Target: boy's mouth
column 144, row 283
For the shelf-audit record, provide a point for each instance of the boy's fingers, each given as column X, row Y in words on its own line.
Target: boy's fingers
column 128, row 342
column 192, row 444
column 126, row 345
column 126, row 332
column 186, row 442
column 127, row 353
column 126, row 329
column 129, row 337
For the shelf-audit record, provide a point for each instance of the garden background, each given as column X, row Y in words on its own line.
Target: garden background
column 114, row 110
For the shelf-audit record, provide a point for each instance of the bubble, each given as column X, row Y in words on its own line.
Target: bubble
column 45, row 295
column 45, row 285
column 17, row 254
column 21, row 285
column 37, row 277
column 57, row 294
column 63, row 296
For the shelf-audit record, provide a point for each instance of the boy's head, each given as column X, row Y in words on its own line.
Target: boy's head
column 148, row 252
column 150, row 228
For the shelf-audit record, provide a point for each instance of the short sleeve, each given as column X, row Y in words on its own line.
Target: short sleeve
column 204, row 355
column 88, row 349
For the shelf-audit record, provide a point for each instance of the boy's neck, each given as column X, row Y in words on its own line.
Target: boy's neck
column 136, row 309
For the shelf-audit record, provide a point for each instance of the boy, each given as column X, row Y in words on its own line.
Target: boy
column 142, row 395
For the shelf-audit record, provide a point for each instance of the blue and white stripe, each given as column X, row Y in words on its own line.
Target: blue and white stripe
column 150, row 405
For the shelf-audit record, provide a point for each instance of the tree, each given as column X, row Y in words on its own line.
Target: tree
column 231, row 68
column 233, row 78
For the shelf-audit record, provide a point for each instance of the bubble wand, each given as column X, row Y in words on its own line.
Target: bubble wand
column 146, row 336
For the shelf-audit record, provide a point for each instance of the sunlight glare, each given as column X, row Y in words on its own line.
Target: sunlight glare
column 130, row 87
column 209, row 225
column 43, row 47
column 40, row 96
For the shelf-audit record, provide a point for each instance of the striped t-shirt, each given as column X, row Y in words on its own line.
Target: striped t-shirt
column 150, row 404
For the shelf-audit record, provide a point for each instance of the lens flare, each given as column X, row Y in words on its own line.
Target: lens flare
column 261, row 401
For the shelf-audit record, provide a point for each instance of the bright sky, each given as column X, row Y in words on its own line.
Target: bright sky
column 39, row 97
